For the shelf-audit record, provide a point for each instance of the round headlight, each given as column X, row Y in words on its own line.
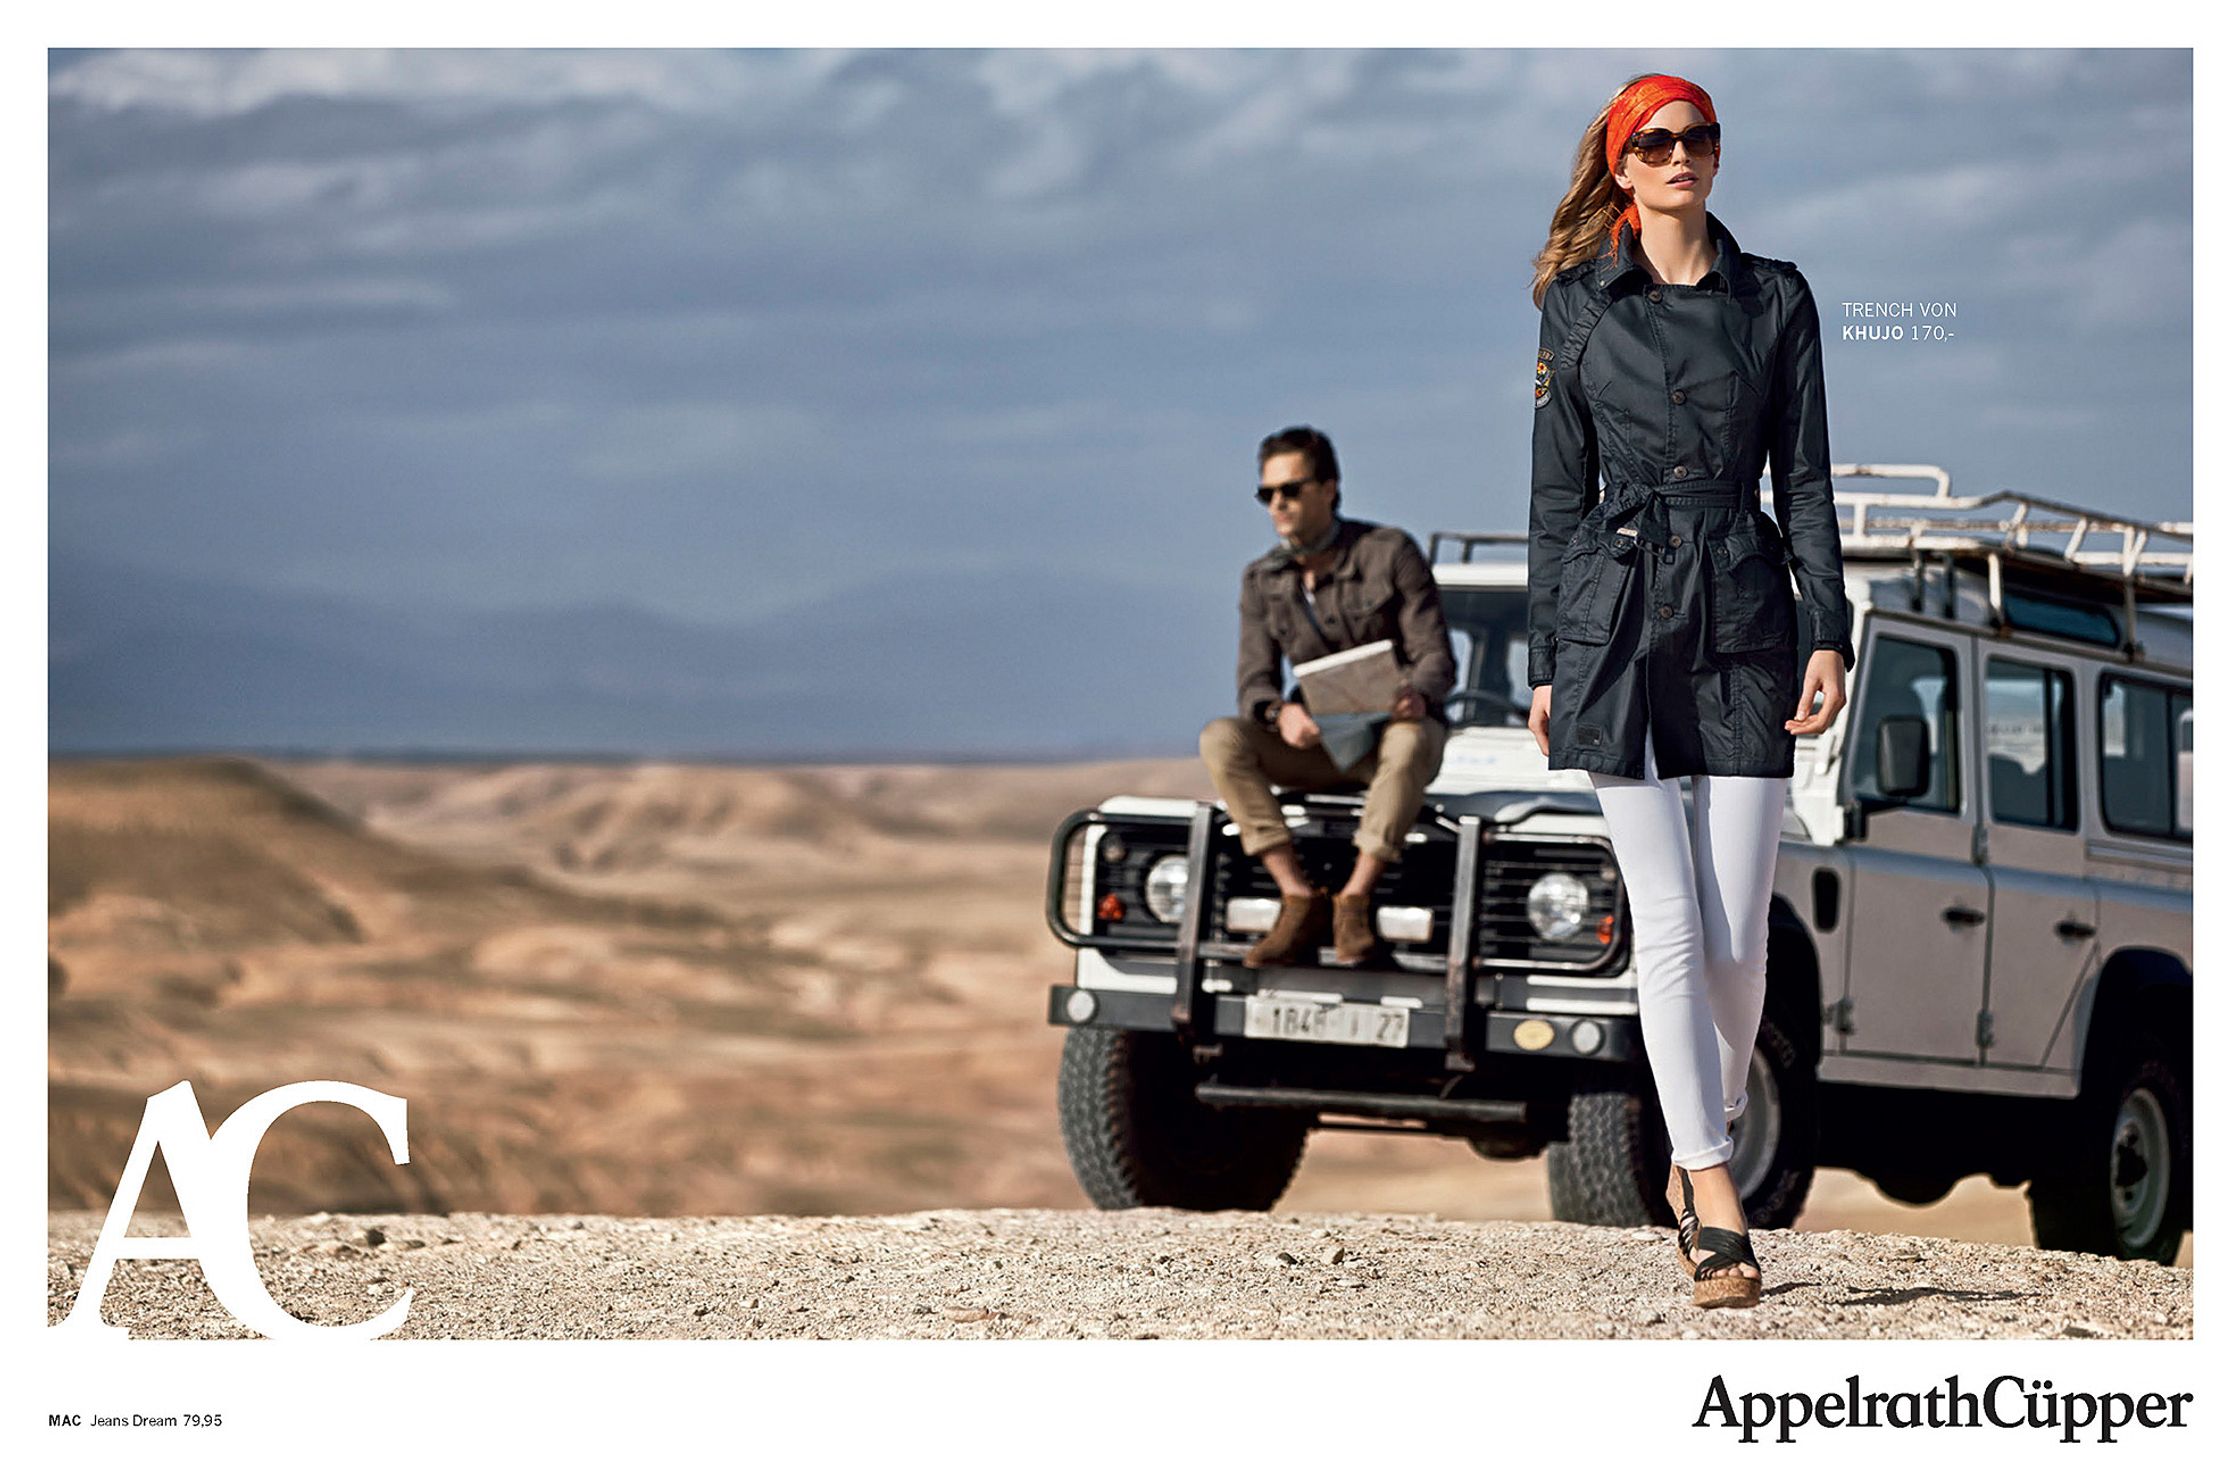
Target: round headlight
column 1169, row 875
column 1557, row 905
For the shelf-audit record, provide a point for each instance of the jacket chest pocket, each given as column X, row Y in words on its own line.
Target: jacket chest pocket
column 1753, row 606
column 1277, row 614
column 1282, row 626
column 1591, row 588
column 1740, row 421
column 1301, row 630
column 1369, row 614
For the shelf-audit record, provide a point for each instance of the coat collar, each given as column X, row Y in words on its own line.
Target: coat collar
column 1349, row 533
column 1733, row 273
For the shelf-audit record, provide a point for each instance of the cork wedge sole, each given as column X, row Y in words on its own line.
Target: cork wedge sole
column 1742, row 1292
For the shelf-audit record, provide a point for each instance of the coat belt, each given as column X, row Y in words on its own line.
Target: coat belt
column 1643, row 503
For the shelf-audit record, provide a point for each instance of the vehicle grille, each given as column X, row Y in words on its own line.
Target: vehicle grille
column 1422, row 878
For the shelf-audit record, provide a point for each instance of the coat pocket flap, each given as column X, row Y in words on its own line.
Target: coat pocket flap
column 1755, row 539
column 1753, row 608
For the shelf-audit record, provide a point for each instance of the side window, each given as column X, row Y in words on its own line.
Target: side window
column 1520, row 667
column 2029, row 738
column 2146, row 744
column 1917, row 681
column 1464, row 640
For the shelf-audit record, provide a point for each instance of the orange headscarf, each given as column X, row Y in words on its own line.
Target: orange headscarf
column 1634, row 107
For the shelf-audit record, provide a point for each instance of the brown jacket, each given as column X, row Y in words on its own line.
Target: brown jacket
column 1379, row 588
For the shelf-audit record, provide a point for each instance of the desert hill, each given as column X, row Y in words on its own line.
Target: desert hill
column 209, row 919
column 205, row 854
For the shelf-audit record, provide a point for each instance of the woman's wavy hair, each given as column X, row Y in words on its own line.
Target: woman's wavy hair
column 1581, row 228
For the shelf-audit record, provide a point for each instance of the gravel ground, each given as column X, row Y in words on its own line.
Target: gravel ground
column 1067, row 1274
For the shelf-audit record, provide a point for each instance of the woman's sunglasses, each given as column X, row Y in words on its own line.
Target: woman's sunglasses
column 1654, row 145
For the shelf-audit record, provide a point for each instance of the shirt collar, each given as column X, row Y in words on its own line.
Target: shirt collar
column 1728, row 273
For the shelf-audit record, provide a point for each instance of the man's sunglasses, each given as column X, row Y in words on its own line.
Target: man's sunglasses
column 1654, row 145
column 1284, row 489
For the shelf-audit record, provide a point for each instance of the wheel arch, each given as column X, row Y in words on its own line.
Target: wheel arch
column 2136, row 988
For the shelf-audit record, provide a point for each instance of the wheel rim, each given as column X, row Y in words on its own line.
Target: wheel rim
column 2139, row 1169
column 1758, row 1133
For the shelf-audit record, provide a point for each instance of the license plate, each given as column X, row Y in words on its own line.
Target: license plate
column 1346, row 1022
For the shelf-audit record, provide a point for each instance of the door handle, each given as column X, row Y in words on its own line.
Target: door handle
column 2069, row 928
column 1963, row 917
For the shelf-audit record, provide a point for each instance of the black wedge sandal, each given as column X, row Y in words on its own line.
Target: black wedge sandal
column 1716, row 1287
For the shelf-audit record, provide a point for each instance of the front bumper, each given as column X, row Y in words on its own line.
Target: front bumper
column 1615, row 1038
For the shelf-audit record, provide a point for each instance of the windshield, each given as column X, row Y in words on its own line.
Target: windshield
column 1488, row 627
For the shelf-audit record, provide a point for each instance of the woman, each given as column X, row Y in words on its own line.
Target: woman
column 1664, row 628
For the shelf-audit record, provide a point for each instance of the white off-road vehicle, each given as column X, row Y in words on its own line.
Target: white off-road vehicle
column 1982, row 947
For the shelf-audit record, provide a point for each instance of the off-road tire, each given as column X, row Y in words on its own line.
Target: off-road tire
column 1776, row 1195
column 2074, row 1198
column 1137, row 1134
column 1612, row 1170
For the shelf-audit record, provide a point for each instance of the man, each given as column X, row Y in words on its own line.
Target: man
column 1331, row 583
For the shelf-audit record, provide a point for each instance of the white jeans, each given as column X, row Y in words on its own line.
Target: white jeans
column 1699, row 880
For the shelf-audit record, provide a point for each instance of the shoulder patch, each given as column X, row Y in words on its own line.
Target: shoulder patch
column 1543, row 375
column 1773, row 262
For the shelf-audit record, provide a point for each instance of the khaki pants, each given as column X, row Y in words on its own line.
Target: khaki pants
column 1245, row 759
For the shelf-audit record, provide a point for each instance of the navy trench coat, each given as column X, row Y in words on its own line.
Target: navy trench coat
column 1661, row 605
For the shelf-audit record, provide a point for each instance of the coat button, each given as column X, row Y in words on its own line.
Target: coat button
column 1664, row 612
column 1678, row 473
column 1655, row 296
column 1674, row 541
column 1679, row 397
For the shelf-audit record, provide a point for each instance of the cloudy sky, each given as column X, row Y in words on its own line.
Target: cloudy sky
column 715, row 337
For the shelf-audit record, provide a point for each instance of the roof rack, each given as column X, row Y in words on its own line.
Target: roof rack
column 2065, row 534
column 1470, row 541
column 2003, row 529
column 2008, row 528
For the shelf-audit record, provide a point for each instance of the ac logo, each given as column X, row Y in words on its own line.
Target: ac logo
column 211, row 1173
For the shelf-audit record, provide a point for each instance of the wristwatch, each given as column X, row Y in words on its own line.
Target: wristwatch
column 1269, row 708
